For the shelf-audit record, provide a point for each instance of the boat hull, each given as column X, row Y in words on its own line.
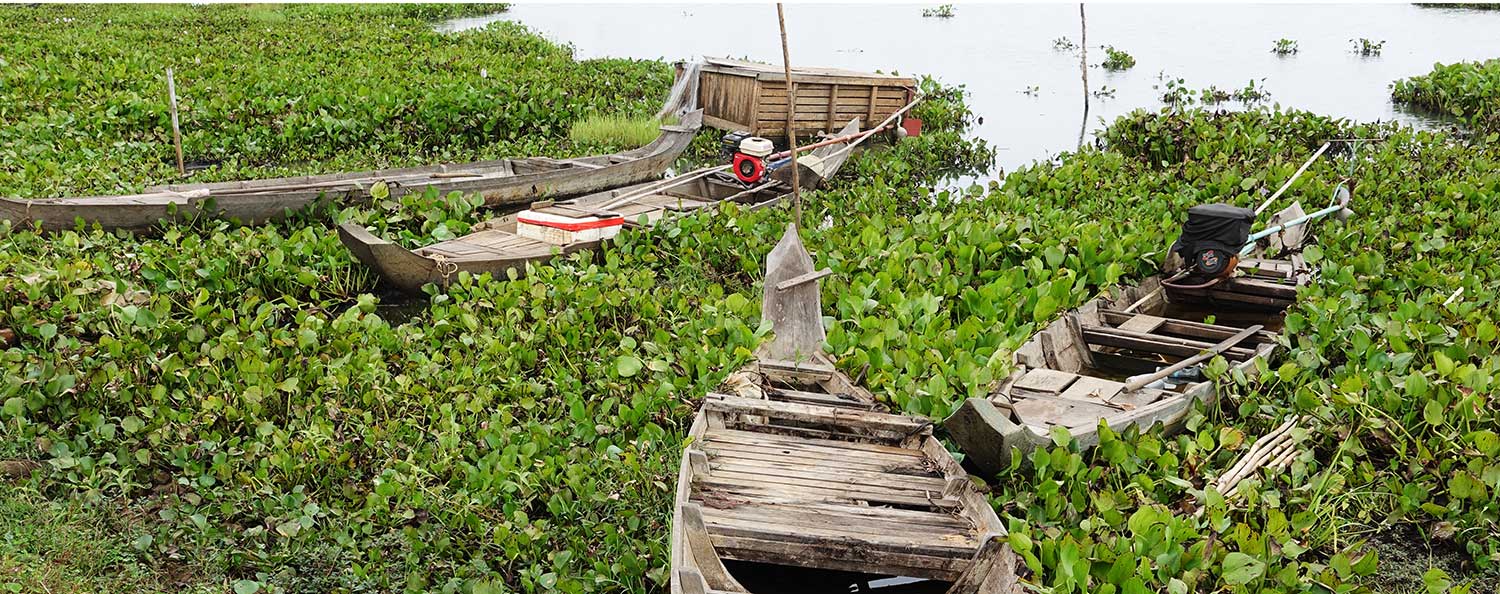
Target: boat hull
column 497, row 250
column 1002, row 429
column 500, row 183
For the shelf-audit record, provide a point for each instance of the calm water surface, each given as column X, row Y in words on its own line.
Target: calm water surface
column 999, row 50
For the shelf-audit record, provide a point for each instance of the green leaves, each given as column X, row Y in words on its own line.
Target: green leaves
column 1241, row 569
column 627, row 365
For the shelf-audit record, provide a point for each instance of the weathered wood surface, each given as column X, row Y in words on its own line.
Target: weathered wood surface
column 796, row 312
column 1072, row 372
column 893, row 505
column 752, row 97
column 501, row 182
column 497, row 249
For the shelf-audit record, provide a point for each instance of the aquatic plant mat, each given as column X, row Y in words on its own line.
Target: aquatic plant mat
column 242, row 397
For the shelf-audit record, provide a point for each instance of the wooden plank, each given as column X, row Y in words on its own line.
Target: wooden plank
column 800, row 430
column 953, row 546
column 1092, row 388
column 754, row 487
column 873, row 520
column 851, row 449
column 1155, row 343
column 818, row 370
column 826, row 475
column 715, row 575
column 1046, row 380
column 870, row 114
column 916, row 467
column 815, row 414
column 820, row 398
column 832, row 101
column 1143, row 323
column 833, row 556
column 803, row 278
column 1188, row 328
column 1045, row 412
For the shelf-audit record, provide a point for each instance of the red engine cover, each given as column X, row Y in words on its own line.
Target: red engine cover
column 748, row 169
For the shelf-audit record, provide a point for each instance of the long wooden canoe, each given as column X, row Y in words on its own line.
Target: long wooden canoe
column 497, row 247
column 500, row 182
column 1076, row 371
column 797, row 480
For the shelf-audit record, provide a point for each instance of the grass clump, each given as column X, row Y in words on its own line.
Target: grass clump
column 1469, row 91
column 614, row 131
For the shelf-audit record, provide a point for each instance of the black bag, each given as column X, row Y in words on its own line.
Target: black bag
column 1213, row 235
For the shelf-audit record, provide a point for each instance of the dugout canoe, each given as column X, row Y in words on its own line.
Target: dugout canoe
column 797, row 480
column 496, row 247
column 501, row 182
column 1078, row 370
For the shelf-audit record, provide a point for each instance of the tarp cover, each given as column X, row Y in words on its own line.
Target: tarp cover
column 1218, row 226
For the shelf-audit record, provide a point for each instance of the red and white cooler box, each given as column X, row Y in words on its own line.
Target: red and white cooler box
column 564, row 229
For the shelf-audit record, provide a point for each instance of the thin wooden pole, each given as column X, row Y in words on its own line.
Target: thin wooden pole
column 791, row 112
column 176, row 131
column 1083, row 65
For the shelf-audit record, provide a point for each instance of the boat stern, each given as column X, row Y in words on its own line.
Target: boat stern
column 987, row 435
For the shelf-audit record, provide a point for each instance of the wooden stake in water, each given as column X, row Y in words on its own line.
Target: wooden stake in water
column 791, row 111
column 176, row 131
column 1083, row 65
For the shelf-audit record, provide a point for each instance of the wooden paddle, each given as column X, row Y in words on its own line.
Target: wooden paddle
column 1139, row 383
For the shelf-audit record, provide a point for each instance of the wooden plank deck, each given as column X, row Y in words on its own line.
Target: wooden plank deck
column 865, row 499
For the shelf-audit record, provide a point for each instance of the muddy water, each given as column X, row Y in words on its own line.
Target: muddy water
column 1000, row 50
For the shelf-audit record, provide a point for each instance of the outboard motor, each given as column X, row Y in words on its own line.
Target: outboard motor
column 1211, row 240
column 750, row 162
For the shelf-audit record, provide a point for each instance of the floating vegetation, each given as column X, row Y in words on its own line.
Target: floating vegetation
column 942, row 11
column 1063, row 44
column 1176, row 93
column 319, row 98
column 1031, row 91
column 1469, row 91
column 614, row 131
column 1104, row 92
column 1468, row 5
column 1117, row 60
column 235, row 400
column 1285, row 47
column 1366, row 48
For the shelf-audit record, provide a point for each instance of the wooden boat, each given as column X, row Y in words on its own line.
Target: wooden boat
column 1093, row 363
column 500, row 182
column 498, row 247
column 797, row 480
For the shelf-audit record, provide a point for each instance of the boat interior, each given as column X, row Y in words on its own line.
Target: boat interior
column 1076, row 370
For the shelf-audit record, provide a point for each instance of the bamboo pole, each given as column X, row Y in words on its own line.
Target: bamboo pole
column 176, row 131
column 791, row 113
column 1083, row 66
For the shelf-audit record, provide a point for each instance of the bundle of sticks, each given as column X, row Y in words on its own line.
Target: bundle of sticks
column 1275, row 451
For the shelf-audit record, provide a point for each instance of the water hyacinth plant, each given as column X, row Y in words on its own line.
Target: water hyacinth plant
column 942, row 11
column 1284, row 47
column 1469, row 91
column 1116, row 60
column 1367, row 48
column 240, row 408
